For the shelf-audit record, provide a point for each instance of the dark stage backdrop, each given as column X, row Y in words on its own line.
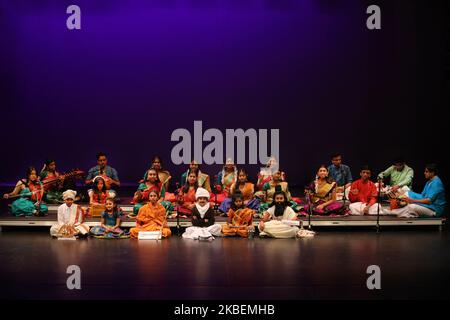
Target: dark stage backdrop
column 138, row 70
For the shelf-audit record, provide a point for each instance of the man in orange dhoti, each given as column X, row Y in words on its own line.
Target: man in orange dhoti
column 151, row 217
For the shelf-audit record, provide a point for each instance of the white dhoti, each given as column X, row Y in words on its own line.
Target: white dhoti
column 277, row 229
column 357, row 209
column 196, row 232
column 73, row 216
column 413, row 211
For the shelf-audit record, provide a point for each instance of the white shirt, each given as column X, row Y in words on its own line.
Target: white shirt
column 288, row 214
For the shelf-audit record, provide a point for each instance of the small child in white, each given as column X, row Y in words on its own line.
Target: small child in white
column 70, row 218
column 203, row 226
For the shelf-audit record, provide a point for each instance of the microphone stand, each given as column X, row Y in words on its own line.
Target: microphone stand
column 308, row 198
column 378, row 204
column 343, row 193
column 216, row 207
column 178, row 211
column 343, row 197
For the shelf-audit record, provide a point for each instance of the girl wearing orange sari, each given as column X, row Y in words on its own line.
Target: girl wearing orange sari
column 151, row 217
column 240, row 218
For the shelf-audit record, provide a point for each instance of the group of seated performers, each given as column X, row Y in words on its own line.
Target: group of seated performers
column 229, row 194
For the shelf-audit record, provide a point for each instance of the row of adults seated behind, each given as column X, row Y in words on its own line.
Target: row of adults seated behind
column 400, row 175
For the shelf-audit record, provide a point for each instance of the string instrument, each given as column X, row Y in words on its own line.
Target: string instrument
column 48, row 182
column 32, row 190
column 164, row 222
column 26, row 193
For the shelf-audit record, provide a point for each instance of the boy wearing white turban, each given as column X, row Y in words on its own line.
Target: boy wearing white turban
column 203, row 226
column 70, row 217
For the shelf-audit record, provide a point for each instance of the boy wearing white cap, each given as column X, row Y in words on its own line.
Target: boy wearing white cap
column 203, row 226
column 70, row 218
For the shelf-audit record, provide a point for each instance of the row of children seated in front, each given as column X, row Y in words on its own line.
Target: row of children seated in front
column 277, row 222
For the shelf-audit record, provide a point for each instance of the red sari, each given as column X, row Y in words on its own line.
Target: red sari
column 186, row 199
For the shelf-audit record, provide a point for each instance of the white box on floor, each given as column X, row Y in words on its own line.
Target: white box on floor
column 149, row 235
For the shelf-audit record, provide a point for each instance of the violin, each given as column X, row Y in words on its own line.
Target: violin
column 35, row 188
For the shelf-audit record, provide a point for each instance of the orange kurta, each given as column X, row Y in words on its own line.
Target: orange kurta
column 151, row 218
column 238, row 222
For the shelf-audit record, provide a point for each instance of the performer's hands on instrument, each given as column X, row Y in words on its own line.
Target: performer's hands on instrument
column 395, row 188
column 6, row 196
column 355, row 191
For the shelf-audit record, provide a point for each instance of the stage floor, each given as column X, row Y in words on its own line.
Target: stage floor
column 414, row 265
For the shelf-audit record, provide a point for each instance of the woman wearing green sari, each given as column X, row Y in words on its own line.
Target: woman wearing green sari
column 31, row 192
column 151, row 183
column 53, row 190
